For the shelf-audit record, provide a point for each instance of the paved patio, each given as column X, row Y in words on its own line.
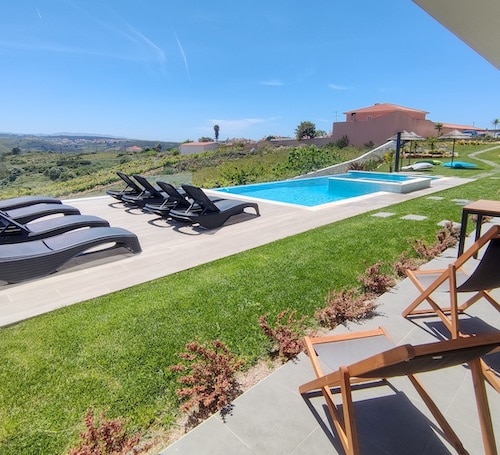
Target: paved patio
column 272, row 417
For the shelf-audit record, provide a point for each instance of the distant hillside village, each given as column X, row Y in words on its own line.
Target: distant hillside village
column 73, row 143
column 369, row 125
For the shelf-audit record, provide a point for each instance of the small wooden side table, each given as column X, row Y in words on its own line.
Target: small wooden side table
column 480, row 208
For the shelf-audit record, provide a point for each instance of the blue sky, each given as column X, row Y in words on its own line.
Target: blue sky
column 170, row 70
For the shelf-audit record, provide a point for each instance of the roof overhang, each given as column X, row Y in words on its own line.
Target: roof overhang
column 474, row 22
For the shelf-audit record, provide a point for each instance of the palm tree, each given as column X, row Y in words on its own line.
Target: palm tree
column 495, row 123
column 439, row 127
column 216, row 131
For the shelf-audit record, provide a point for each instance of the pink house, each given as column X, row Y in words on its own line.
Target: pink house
column 379, row 122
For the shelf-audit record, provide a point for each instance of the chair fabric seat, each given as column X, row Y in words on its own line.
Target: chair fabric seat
column 341, row 353
column 487, row 273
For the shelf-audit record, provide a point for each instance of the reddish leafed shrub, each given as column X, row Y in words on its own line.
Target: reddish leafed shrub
column 405, row 263
column 447, row 237
column 426, row 251
column 107, row 437
column 343, row 306
column 210, row 383
column 286, row 335
column 374, row 281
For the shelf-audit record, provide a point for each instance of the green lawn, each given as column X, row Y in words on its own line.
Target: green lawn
column 115, row 352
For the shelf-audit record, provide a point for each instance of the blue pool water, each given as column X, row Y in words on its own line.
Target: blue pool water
column 311, row 192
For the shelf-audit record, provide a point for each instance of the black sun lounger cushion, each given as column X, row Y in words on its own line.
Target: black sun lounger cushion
column 13, row 232
column 37, row 258
column 25, row 201
column 24, row 215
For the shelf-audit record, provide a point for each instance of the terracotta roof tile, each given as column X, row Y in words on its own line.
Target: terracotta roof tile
column 385, row 107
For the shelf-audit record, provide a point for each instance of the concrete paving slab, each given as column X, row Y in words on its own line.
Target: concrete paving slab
column 412, row 217
column 461, row 201
column 445, row 223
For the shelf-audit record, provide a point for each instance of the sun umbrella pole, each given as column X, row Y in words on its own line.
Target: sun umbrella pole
column 398, row 152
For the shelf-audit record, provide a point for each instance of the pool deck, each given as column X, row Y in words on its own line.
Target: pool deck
column 168, row 248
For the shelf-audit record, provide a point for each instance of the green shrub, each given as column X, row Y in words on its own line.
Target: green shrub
column 343, row 142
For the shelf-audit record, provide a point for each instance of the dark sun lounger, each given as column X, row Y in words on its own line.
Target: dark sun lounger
column 25, row 201
column 38, row 258
column 174, row 199
column 131, row 188
column 150, row 195
column 207, row 213
column 26, row 214
column 13, row 232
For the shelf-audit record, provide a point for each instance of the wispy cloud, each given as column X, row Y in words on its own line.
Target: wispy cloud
column 108, row 35
column 181, row 49
column 148, row 43
column 68, row 49
column 338, row 87
column 273, row 83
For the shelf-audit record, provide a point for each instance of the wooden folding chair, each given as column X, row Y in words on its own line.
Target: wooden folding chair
column 454, row 281
column 371, row 355
column 484, row 278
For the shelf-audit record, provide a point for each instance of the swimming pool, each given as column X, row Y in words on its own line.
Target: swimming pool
column 315, row 191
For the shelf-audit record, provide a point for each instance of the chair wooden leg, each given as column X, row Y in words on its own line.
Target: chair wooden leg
column 483, row 408
column 488, row 296
column 453, row 302
column 490, row 376
column 349, row 419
